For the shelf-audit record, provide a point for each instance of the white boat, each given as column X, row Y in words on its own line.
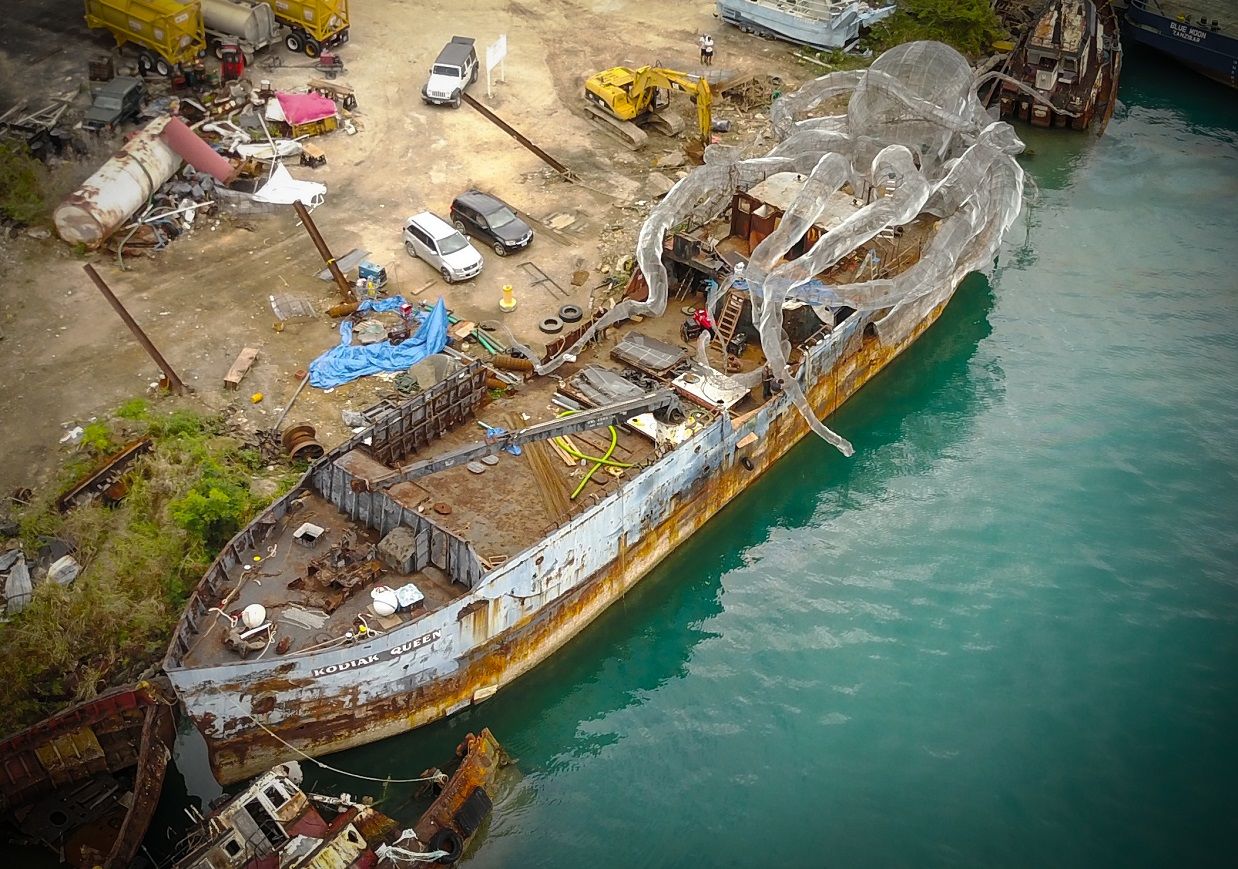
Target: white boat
column 825, row 24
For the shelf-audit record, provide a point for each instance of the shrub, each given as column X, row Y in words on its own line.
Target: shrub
column 139, row 560
column 21, row 184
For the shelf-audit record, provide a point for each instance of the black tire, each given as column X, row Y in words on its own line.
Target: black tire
column 446, row 273
column 146, row 62
column 571, row 314
column 312, row 48
column 459, row 225
column 448, row 840
column 500, row 248
column 217, row 49
column 349, row 103
column 293, row 42
column 162, row 67
column 473, row 78
column 551, row 325
column 412, row 251
column 455, row 100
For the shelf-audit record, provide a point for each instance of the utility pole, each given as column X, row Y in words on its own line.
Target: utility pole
column 174, row 382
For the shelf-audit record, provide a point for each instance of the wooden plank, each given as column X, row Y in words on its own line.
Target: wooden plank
column 562, row 453
column 247, row 357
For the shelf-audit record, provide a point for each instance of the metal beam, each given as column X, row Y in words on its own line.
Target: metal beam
column 567, row 173
column 611, row 414
column 174, row 383
column 308, row 222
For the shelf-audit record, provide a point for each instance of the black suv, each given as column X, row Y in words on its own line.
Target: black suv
column 492, row 220
column 118, row 101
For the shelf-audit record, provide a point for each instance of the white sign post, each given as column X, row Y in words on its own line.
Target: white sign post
column 494, row 57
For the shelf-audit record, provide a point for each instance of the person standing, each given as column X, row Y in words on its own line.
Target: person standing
column 707, row 52
column 701, row 43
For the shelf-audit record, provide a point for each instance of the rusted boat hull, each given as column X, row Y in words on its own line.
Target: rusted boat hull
column 526, row 609
column 60, row 780
column 1089, row 108
column 467, row 797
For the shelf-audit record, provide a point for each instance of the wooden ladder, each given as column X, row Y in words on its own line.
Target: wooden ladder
column 728, row 320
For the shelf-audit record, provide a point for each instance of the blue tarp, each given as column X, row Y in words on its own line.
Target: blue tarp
column 345, row 362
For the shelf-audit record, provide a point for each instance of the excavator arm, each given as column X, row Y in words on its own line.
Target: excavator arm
column 647, row 79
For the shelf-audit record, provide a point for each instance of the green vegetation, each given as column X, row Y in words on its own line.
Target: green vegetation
column 21, row 185
column 971, row 26
column 139, row 560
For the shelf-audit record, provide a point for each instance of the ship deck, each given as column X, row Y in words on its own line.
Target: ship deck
column 315, row 591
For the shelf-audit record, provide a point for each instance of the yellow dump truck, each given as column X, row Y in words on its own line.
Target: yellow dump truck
column 166, row 32
column 312, row 24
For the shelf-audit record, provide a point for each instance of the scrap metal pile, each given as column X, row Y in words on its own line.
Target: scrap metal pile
column 915, row 134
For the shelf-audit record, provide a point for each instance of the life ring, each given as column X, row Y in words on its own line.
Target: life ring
column 551, row 325
column 449, row 841
column 571, row 314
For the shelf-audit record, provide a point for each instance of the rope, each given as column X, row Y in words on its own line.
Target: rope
column 402, row 855
column 440, row 777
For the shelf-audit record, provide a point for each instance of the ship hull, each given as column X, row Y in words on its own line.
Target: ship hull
column 251, row 712
column 1209, row 53
column 831, row 33
column 1095, row 106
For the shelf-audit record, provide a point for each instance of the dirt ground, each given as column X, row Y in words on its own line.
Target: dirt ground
column 66, row 357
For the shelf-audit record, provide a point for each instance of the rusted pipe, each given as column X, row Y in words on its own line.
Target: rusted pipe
column 174, row 382
column 511, row 363
column 299, row 441
column 288, row 406
column 307, row 221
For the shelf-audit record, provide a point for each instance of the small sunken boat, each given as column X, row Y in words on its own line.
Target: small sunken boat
column 274, row 823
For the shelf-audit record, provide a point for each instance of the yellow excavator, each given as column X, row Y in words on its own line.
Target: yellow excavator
column 625, row 99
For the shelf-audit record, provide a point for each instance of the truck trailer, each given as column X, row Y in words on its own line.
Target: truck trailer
column 166, row 32
column 312, row 24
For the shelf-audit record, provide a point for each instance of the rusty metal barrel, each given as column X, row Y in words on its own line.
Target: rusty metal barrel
column 107, row 198
column 300, row 443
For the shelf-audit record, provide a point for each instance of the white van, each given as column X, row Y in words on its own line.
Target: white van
column 437, row 242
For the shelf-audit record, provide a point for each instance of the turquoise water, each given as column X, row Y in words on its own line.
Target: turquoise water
column 1005, row 633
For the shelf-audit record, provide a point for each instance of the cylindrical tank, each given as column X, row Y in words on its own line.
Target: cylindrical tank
column 196, row 152
column 253, row 24
column 122, row 184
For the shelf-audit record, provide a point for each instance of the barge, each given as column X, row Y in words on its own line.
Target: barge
column 823, row 24
column 1065, row 70
column 416, row 569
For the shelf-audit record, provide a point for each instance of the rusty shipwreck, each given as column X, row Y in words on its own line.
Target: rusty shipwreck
column 273, row 822
column 85, row 782
column 417, row 569
column 1065, row 70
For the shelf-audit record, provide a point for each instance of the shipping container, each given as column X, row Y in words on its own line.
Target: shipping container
column 167, row 32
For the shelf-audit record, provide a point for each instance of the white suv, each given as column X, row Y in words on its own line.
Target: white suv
column 437, row 242
column 453, row 70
